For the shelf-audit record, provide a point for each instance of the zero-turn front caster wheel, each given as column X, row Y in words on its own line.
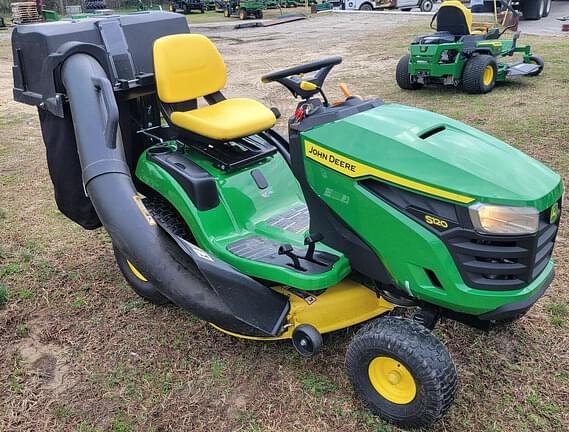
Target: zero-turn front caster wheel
column 307, row 341
column 402, row 372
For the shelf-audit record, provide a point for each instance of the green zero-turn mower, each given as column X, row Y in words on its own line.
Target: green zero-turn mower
column 456, row 54
column 367, row 206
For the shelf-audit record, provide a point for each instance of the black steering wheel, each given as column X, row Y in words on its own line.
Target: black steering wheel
column 305, row 87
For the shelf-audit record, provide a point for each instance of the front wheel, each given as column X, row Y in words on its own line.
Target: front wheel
column 242, row 14
column 537, row 60
column 366, row 7
column 426, row 6
column 404, row 80
column 402, row 372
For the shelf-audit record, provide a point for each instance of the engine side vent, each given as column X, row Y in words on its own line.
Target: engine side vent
column 433, row 278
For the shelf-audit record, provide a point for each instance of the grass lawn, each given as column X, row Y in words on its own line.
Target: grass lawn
column 81, row 352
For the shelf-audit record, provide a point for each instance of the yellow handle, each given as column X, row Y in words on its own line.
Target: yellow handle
column 345, row 90
column 308, row 86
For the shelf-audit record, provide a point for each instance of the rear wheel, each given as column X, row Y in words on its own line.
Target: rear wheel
column 402, row 372
column 226, row 13
column 404, row 80
column 479, row 75
column 546, row 8
column 259, row 14
column 242, row 14
column 426, row 6
column 537, row 60
column 366, row 7
column 137, row 281
column 168, row 217
column 532, row 9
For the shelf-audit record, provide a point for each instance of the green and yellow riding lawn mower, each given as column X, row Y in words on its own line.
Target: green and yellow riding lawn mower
column 367, row 207
column 459, row 55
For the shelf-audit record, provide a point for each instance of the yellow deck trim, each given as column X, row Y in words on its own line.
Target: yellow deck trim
column 340, row 306
column 355, row 169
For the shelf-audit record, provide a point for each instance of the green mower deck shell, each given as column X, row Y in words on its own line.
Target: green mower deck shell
column 243, row 211
column 425, row 58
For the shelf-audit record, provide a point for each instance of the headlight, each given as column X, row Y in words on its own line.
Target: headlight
column 504, row 220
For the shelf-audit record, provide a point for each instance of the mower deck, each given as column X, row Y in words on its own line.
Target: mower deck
column 340, row 306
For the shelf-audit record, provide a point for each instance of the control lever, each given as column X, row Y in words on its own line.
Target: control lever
column 311, row 240
column 286, row 249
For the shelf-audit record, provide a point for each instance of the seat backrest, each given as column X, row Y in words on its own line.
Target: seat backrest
column 186, row 67
column 454, row 17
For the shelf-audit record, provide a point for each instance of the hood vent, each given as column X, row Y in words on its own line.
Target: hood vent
column 432, row 132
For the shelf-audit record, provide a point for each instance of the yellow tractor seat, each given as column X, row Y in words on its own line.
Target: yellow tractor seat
column 189, row 66
column 226, row 120
column 455, row 18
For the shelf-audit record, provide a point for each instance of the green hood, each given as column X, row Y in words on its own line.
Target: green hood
column 437, row 151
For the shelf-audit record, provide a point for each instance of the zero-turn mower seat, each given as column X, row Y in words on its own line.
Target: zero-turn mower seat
column 189, row 66
column 455, row 18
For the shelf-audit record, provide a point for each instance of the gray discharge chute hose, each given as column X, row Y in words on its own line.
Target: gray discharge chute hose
column 108, row 183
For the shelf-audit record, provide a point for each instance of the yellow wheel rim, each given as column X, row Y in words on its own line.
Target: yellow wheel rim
column 135, row 271
column 488, row 75
column 392, row 380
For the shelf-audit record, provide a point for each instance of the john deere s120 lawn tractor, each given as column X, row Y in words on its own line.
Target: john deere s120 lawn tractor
column 368, row 205
column 458, row 55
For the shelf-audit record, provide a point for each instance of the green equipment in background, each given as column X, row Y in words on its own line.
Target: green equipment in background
column 458, row 55
column 244, row 9
column 187, row 6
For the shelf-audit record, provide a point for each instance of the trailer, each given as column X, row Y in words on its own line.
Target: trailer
column 370, row 5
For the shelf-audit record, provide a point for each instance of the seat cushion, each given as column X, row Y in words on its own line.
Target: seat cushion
column 226, row 120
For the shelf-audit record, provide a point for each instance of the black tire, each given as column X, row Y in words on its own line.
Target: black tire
column 404, row 80
column 546, row 8
column 426, row 6
column 226, row 13
column 307, row 341
column 202, row 10
column 474, row 79
column 259, row 14
column 414, row 350
column 535, row 59
column 242, row 14
column 167, row 216
column 366, row 7
column 532, row 9
column 137, row 280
